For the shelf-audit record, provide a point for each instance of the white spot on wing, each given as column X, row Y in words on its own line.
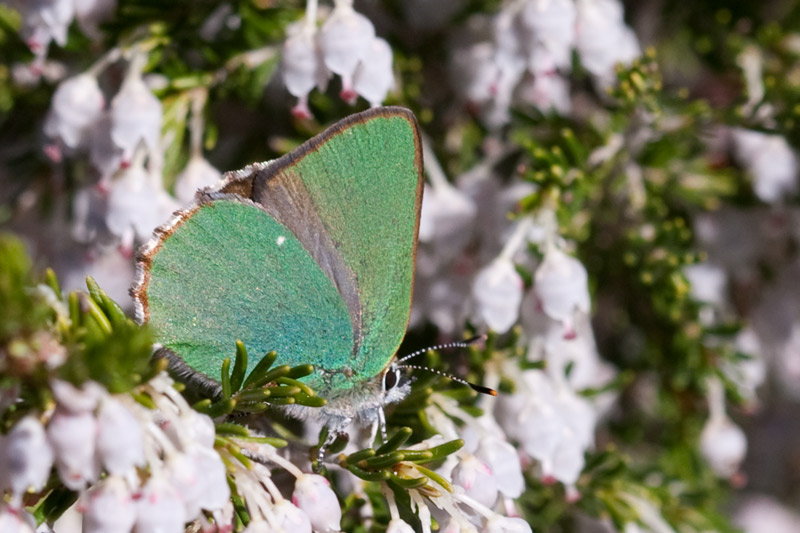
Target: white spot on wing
column 281, row 240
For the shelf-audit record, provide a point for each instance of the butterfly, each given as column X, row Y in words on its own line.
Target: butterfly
column 311, row 255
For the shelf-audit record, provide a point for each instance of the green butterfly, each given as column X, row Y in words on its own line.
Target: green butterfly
column 311, row 255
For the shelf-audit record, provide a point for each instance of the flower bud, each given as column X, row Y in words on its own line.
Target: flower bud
column 77, row 104
column 313, row 495
column 25, row 457
column 291, row 519
column 498, row 292
column 109, row 507
column 724, row 445
column 120, row 442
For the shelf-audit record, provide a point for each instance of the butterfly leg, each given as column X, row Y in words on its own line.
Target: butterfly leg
column 382, row 424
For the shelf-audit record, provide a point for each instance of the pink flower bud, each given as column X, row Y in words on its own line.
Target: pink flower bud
column 313, row 495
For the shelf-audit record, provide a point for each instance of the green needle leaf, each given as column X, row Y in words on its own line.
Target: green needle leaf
column 261, row 369
column 239, row 367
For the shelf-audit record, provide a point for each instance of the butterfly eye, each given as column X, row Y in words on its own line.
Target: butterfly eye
column 391, row 378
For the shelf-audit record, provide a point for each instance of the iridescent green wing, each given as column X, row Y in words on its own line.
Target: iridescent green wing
column 226, row 270
column 352, row 197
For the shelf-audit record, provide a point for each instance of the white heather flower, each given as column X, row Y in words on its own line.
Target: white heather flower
column 374, row 76
column 77, row 104
column 723, row 445
column 104, row 154
column 74, row 399
column 133, row 209
column 198, row 174
column 548, row 27
column 446, row 221
column 291, row 518
column 120, row 441
column 159, row 507
column 770, row 161
column 760, row 513
column 44, row 21
column 72, row 436
column 498, row 293
column 477, row 479
column 302, row 67
column 561, row 284
column 708, row 283
column 25, row 457
column 505, row 524
column 344, row 40
column 200, row 478
column 136, row 116
column 603, row 39
column 109, row 507
column 397, row 525
column 549, row 92
column 313, row 495
column 747, row 374
column 503, row 460
column 13, row 520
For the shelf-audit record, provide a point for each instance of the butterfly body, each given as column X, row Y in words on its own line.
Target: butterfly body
column 311, row 255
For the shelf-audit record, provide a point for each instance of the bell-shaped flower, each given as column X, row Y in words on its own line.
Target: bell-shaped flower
column 44, row 21
column 25, row 457
column 549, row 92
column 104, row 154
column 199, row 476
column 548, row 28
column 198, row 174
column 566, row 463
column 136, row 116
column 707, row 283
column 15, row 520
column 72, row 437
column 446, row 222
column 291, row 518
column 477, row 479
column 133, row 207
column 503, row 460
column 74, row 399
column 120, row 441
column 260, row 526
column 302, row 68
column 344, row 40
column 770, row 161
column 159, row 507
column 603, row 39
column 314, row 496
column 374, row 76
column 398, row 525
column 77, row 104
column 506, row 524
column 109, row 507
column 561, row 284
column 497, row 291
column 724, row 445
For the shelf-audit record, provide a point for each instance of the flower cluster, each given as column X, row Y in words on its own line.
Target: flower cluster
column 523, row 54
column 345, row 45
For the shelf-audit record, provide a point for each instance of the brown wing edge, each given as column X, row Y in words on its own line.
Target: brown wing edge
column 237, row 183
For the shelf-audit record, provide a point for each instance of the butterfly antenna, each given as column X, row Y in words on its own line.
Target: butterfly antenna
column 460, row 344
column 473, row 386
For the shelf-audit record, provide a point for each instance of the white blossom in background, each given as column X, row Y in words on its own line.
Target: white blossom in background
column 759, row 513
column 77, row 104
column 722, row 443
column 25, row 458
column 497, row 291
column 109, row 506
column 136, row 115
column 603, row 39
column 313, row 495
column 561, row 286
column 769, row 160
column 15, row 520
column 45, row 21
column 345, row 45
column 198, row 174
column 522, row 55
column 90, row 13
